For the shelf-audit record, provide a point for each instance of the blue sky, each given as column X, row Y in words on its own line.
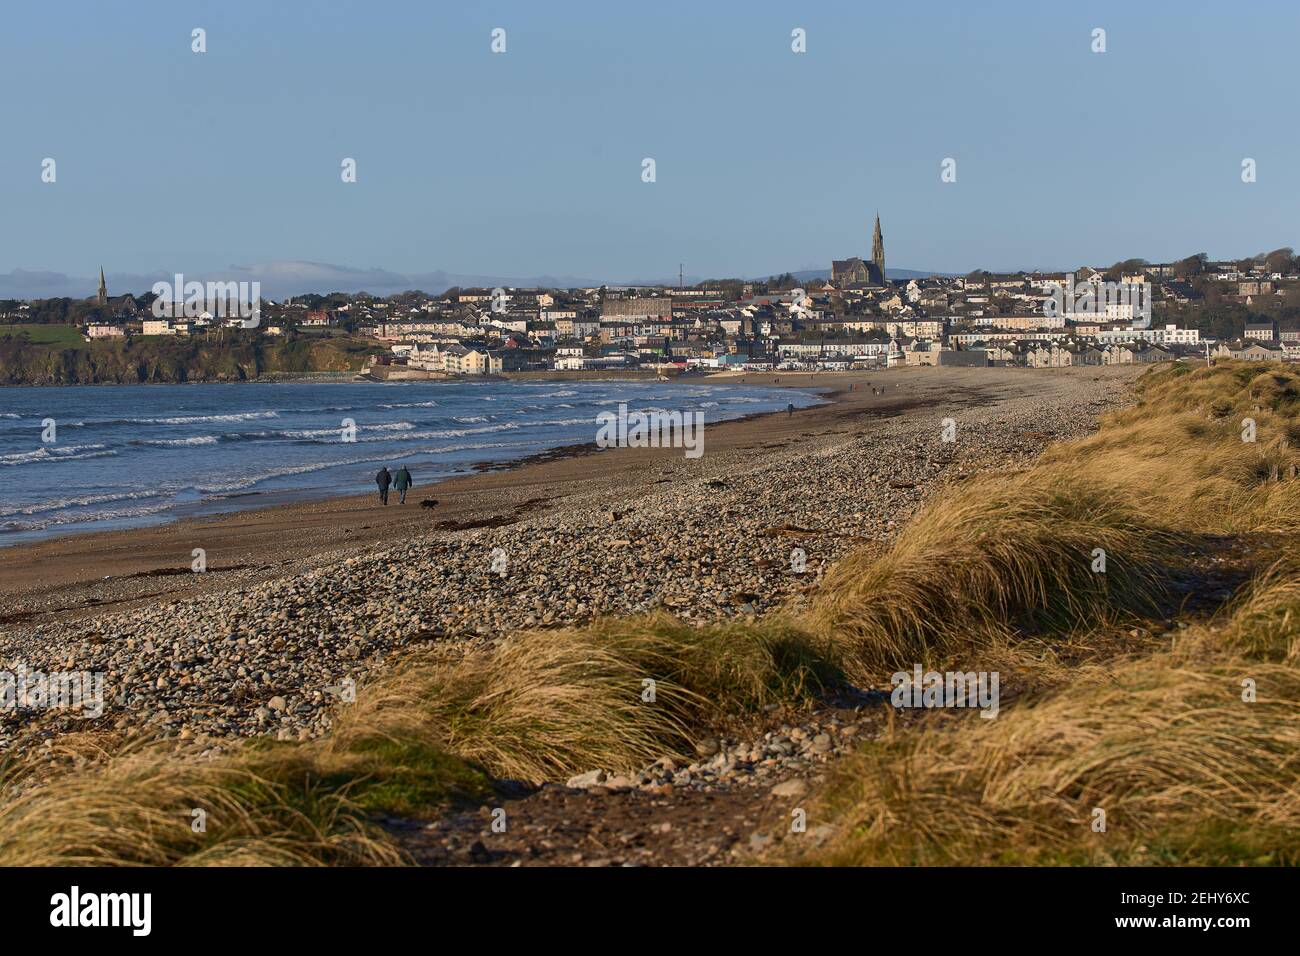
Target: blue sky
column 528, row 163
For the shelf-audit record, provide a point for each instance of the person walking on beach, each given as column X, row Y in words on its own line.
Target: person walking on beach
column 401, row 483
column 383, row 480
column 789, row 410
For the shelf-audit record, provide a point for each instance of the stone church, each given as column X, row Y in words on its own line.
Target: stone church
column 854, row 271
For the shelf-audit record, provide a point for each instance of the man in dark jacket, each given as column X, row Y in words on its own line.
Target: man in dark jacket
column 383, row 480
column 401, row 483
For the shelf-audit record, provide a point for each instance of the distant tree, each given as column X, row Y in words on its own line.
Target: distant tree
column 1193, row 265
column 1281, row 260
column 1125, row 267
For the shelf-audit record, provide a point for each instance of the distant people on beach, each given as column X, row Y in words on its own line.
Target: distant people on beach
column 789, row 409
column 401, row 483
column 383, row 480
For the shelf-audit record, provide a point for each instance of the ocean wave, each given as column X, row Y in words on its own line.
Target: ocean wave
column 324, row 408
column 587, row 420
column 475, row 446
column 83, row 501
column 177, row 442
column 198, row 419
column 334, row 432
column 462, row 432
column 409, row 436
column 248, row 481
column 411, row 405
column 56, row 454
column 13, row 525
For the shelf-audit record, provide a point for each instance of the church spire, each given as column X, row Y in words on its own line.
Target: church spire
column 102, row 296
column 878, row 249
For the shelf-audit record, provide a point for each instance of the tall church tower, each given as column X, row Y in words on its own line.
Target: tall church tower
column 101, row 297
column 878, row 249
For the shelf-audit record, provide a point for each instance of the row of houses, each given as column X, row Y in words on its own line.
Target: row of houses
column 458, row 359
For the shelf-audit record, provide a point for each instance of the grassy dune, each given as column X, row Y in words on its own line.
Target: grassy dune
column 1185, row 770
column 1184, row 767
column 996, row 572
column 989, row 562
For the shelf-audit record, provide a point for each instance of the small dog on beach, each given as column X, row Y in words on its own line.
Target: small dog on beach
column 428, row 503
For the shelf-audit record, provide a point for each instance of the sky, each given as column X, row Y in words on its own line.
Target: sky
column 529, row 163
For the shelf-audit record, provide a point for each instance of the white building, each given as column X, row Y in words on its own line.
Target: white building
column 1169, row 335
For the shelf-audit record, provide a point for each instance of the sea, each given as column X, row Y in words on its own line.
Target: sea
column 134, row 455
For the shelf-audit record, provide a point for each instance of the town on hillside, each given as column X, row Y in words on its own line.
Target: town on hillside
column 855, row 316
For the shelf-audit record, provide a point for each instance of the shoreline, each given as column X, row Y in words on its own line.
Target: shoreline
column 235, row 502
column 88, row 560
column 88, row 573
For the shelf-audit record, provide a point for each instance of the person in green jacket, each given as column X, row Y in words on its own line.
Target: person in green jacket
column 401, row 482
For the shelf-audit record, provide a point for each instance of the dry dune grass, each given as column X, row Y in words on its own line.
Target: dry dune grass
column 1180, row 452
column 996, row 556
column 547, row 704
column 136, row 808
column 269, row 803
column 1185, row 769
column 1263, row 623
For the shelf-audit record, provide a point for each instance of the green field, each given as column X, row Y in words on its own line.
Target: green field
column 65, row 335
